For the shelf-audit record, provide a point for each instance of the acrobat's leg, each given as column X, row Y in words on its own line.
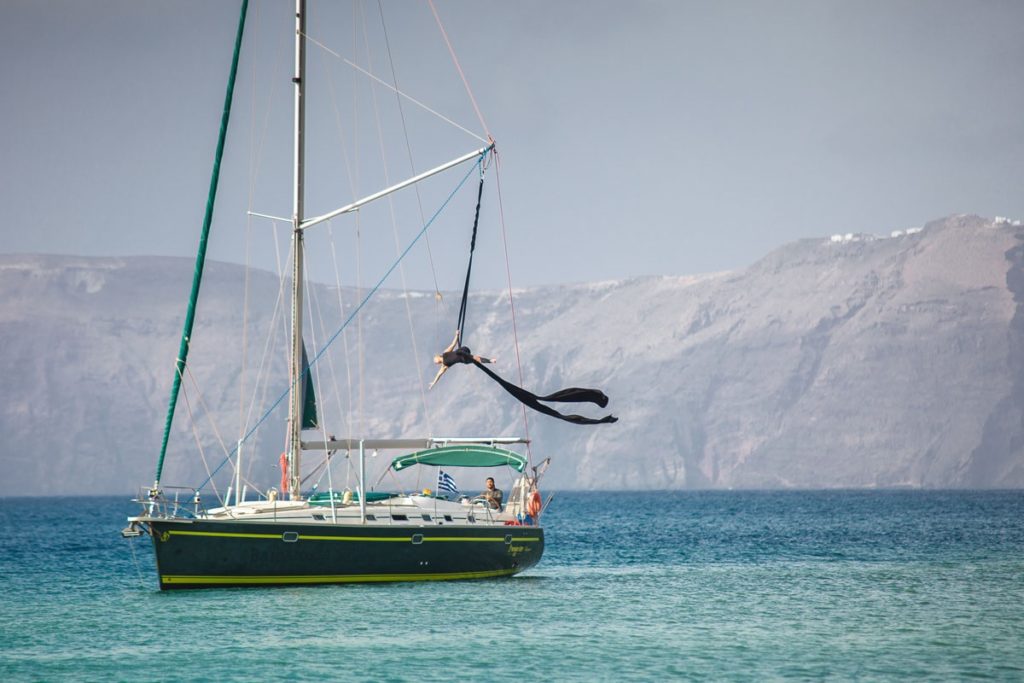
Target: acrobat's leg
column 455, row 343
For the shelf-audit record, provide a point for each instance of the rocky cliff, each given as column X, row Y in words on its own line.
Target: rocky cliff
column 849, row 361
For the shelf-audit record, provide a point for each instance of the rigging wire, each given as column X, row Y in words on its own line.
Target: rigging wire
column 316, row 371
column 360, row 348
column 202, row 452
column 387, row 85
column 135, row 561
column 245, row 334
column 394, row 231
column 423, row 233
column 399, row 96
column 244, row 342
column 207, row 412
column 439, row 304
column 270, row 347
column 346, row 415
column 458, row 67
column 262, row 384
column 511, row 300
column 408, row 146
column 322, row 404
column 257, row 144
column 344, row 339
column 268, row 351
column 285, row 332
column 358, row 309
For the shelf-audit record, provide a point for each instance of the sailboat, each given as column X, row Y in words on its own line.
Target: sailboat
column 294, row 537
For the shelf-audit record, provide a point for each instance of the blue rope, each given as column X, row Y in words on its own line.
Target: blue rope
column 350, row 318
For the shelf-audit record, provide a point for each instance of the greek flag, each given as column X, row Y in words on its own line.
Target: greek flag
column 446, row 483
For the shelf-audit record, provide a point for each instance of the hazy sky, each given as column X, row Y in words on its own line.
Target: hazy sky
column 635, row 138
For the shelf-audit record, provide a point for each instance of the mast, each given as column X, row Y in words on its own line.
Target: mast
column 295, row 364
column 299, row 224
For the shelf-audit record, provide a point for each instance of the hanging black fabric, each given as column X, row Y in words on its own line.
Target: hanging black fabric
column 469, row 269
column 571, row 395
column 529, row 399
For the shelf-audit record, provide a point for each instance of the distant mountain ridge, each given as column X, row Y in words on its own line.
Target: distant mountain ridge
column 851, row 361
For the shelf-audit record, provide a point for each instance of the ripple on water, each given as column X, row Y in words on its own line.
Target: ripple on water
column 716, row 585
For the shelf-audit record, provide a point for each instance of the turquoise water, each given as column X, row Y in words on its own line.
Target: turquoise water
column 633, row 586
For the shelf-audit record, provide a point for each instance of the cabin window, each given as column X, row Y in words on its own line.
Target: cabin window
column 318, row 517
column 471, row 519
column 371, row 518
column 426, row 517
column 400, row 518
column 447, row 518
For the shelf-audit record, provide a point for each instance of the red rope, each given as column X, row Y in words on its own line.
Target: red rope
column 501, row 213
column 511, row 301
column 458, row 67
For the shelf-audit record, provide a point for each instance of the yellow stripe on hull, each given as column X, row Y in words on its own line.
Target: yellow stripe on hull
column 376, row 539
column 428, row 539
column 341, row 578
column 222, row 534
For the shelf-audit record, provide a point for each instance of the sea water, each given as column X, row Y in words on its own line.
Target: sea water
column 633, row 586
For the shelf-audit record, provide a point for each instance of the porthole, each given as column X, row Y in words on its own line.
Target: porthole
column 417, row 539
column 508, row 539
column 290, row 536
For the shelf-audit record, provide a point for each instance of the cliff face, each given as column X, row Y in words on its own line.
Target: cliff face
column 860, row 362
column 843, row 362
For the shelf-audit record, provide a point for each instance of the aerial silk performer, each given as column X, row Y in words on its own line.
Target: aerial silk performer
column 457, row 353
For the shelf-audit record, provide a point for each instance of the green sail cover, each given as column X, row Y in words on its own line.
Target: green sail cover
column 204, row 234
column 469, row 455
column 309, row 417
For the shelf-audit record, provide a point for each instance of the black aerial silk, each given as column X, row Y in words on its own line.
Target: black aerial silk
column 570, row 395
column 527, row 398
column 469, row 268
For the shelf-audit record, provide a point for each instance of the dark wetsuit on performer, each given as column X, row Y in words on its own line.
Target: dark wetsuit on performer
column 459, row 355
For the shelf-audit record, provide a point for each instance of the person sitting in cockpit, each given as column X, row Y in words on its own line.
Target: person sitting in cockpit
column 492, row 494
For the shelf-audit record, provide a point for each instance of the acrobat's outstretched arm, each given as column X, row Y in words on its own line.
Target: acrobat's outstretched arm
column 438, row 376
column 439, row 358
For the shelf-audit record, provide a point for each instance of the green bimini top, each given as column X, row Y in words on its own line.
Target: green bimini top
column 469, row 455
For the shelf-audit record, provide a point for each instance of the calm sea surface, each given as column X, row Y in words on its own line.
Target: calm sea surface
column 638, row 586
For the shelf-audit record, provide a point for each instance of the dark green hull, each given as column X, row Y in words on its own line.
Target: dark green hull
column 203, row 554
